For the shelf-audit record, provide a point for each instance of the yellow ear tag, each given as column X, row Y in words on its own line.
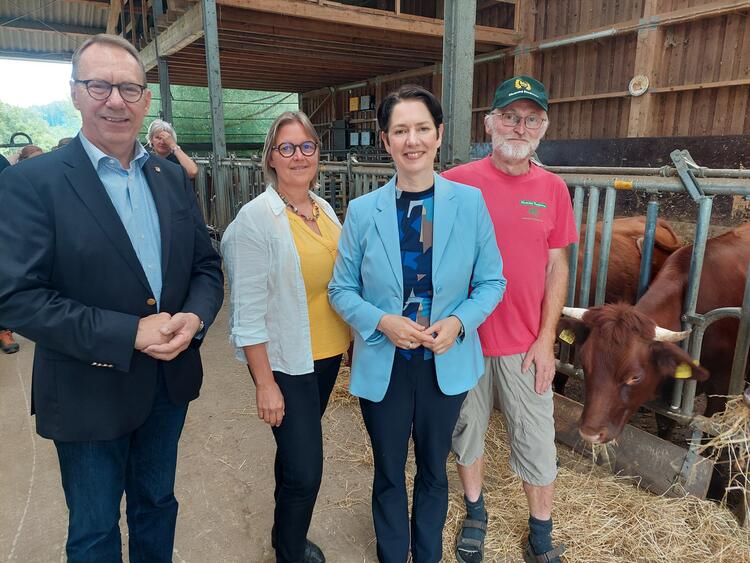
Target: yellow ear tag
column 683, row 371
column 567, row 336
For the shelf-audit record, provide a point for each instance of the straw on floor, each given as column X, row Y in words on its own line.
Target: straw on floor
column 600, row 517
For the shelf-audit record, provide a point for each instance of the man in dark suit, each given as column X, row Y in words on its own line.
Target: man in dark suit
column 108, row 267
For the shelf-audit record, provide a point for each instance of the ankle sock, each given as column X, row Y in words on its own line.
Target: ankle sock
column 540, row 535
column 475, row 511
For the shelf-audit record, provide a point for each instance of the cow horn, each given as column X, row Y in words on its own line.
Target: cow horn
column 574, row 312
column 666, row 335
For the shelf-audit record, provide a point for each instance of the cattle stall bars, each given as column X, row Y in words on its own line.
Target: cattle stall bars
column 702, row 185
column 341, row 181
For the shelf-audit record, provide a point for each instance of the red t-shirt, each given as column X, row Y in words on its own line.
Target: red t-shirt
column 532, row 213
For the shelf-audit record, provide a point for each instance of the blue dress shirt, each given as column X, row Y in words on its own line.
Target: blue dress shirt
column 134, row 203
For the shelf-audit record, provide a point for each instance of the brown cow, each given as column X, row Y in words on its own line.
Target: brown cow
column 624, row 263
column 624, row 362
column 625, row 256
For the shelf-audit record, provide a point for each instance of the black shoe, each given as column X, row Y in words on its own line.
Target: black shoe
column 313, row 553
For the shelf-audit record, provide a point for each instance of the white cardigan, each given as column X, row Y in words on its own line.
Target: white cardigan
column 268, row 303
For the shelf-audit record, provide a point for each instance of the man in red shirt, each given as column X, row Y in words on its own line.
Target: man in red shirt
column 534, row 225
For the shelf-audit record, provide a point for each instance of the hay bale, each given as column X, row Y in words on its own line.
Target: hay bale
column 730, row 445
column 600, row 517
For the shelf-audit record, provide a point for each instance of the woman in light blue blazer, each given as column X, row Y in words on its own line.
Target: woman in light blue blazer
column 418, row 270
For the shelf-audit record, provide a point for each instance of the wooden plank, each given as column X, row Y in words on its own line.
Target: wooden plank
column 525, row 25
column 648, row 44
column 113, row 17
column 702, row 86
column 364, row 17
column 186, row 30
column 654, row 462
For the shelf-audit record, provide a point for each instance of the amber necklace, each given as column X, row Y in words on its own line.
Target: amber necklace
column 315, row 209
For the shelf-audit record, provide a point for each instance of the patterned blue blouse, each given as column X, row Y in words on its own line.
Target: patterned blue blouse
column 415, row 211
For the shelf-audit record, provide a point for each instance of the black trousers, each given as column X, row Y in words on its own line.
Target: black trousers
column 413, row 406
column 298, row 466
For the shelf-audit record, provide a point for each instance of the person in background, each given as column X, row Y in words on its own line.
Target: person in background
column 163, row 139
column 27, row 152
column 533, row 220
column 108, row 267
column 62, row 142
column 418, row 271
column 279, row 253
column 8, row 344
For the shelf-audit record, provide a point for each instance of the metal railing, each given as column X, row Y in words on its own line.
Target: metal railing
column 341, row 181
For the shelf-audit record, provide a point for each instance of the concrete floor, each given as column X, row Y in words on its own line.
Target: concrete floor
column 224, row 475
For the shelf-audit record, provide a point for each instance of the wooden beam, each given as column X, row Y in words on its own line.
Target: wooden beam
column 701, row 86
column 650, row 42
column 186, row 30
column 364, row 17
column 99, row 4
column 48, row 27
column 523, row 63
column 484, row 4
column 113, row 17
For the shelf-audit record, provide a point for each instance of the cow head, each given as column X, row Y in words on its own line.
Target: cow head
column 625, row 357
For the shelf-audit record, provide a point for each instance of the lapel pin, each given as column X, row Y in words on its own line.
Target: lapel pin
column 157, row 169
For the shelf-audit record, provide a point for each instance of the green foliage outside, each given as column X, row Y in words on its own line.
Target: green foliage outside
column 46, row 124
column 247, row 114
column 247, row 117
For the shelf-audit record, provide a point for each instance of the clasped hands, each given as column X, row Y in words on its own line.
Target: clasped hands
column 407, row 334
column 163, row 336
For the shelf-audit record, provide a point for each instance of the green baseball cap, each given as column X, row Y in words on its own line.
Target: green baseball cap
column 520, row 88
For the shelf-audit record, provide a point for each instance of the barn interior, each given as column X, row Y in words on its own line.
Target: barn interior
column 630, row 82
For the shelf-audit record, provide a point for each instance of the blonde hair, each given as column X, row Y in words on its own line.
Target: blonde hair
column 286, row 118
column 157, row 126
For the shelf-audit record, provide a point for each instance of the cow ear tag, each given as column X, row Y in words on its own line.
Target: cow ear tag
column 567, row 336
column 683, row 371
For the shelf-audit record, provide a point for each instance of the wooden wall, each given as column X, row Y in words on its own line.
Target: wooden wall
column 696, row 56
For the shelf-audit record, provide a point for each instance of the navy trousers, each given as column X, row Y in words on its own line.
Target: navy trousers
column 413, row 406
column 142, row 465
column 298, row 467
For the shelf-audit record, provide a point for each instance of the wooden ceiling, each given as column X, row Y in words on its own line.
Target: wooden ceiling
column 297, row 45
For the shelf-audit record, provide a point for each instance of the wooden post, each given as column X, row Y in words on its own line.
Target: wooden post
column 458, row 56
column 647, row 56
column 525, row 24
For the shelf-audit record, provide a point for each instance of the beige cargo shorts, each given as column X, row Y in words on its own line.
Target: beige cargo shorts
column 528, row 415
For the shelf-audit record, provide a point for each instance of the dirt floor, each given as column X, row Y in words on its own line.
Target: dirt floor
column 224, row 480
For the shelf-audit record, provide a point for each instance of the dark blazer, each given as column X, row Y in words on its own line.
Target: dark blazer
column 70, row 280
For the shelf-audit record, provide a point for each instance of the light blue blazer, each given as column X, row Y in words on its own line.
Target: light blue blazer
column 367, row 282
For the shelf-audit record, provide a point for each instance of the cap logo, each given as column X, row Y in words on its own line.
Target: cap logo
column 522, row 85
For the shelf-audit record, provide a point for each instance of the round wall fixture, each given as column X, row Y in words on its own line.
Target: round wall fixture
column 638, row 85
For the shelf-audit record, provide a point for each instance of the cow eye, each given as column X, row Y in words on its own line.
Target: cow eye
column 634, row 379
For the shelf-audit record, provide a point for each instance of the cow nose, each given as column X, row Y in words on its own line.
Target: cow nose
column 594, row 436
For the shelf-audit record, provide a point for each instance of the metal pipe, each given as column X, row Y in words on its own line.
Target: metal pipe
column 588, row 248
column 711, row 186
column 705, row 205
column 578, row 195
column 664, row 171
column 652, row 216
column 604, row 245
column 739, row 363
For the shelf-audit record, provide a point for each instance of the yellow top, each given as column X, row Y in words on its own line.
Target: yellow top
column 317, row 253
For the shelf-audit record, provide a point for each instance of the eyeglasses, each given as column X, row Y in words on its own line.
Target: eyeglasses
column 287, row 150
column 511, row 119
column 101, row 89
